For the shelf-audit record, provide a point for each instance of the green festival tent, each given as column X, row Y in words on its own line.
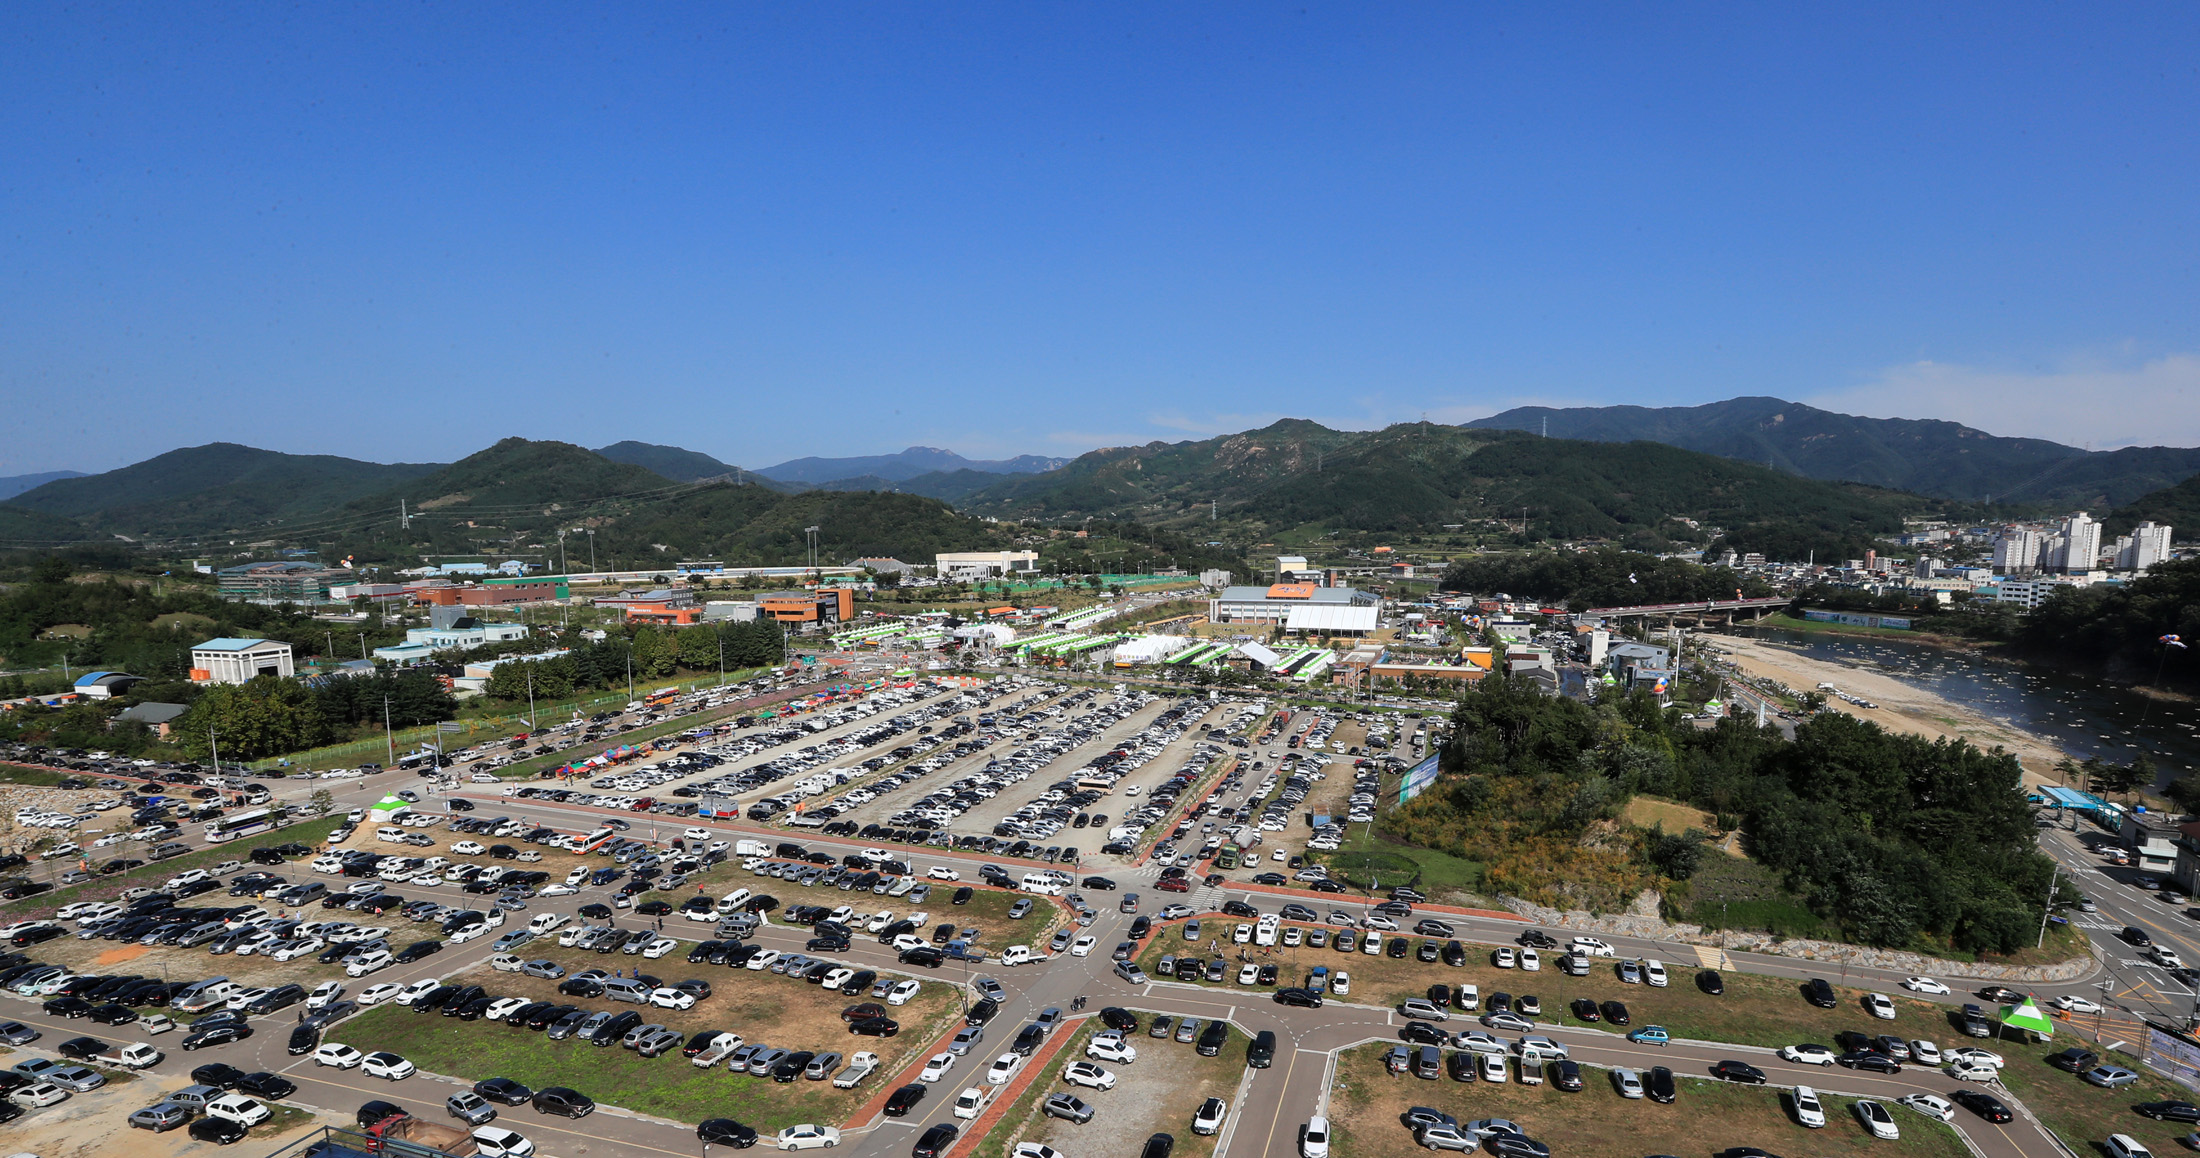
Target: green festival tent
column 2027, row 1016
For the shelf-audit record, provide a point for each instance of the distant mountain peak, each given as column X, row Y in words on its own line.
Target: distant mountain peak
column 901, row 467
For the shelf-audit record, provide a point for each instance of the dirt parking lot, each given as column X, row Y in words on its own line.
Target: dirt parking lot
column 1158, row 1093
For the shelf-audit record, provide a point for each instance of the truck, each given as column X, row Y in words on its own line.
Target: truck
column 860, row 1067
column 412, row 1137
column 135, row 1056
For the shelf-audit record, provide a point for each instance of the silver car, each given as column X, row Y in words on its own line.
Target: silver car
column 470, row 1108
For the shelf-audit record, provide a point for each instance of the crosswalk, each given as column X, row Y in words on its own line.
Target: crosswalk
column 1713, row 957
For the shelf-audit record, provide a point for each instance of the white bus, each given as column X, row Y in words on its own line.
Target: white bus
column 251, row 823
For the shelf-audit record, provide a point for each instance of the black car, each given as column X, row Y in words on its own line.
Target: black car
column 1734, row 1071
column 1396, row 949
column 304, row 1039
column 1660, row 1085
column 1116, row 1017
column 935, row 1141
column 1585, row 1009
column 1211, row 1039
column 1515, row 1146
column 223, row 1077
column 1538, row 939
column 115, row 1015
column 69, row 1007
column 962, row 895
column 875, row 1027
column 1303, row 998
column 1983, row 1104
column 223, row 1034
column 2168, row 1111
column 563, row 1102
column 266, row 1085
column 1158, row 1146
column 416, row 951
column 1460, row 1065
column 1565, row 1074
column 983, row 1012
column 1422, row 1033
column 375, row 1111
column 504, row 1091
column 1864, row 1059
column 1614, row 1012
column 219, row 1131
column 2133, row 935
column 2075, row 1060
column 726, row 1132
column 791, row 1066
column 84, row 1048
column 903, row 1100
column 1819, row 993
column 1710, row 982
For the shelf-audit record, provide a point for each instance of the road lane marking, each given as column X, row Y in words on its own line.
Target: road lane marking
column 1268, row 1144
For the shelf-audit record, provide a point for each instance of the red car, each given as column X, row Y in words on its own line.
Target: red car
column 1173, row 885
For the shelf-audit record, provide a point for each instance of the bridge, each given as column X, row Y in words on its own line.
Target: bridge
column 1754, row 607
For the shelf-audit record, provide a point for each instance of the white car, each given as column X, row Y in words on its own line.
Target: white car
column 1924, row 985
column 377, row 994
column 1084, row 1073
column 498, row 1142
column 507, row 962
column 937, row 1067
column 1378, row 921
column 764, row 961
column 1341, row 984
column 1971, row 1071
column 1807, row 1054
column 1111, row 1046
column 1627, row 1082
column 502, row 1007
column 1975, row 1056
column 660, row 947
column 669, row 998
column 1654, row 973
column 970, row 1103
column 2072, row 1003
column 1003, row 1068
column 2126, row 1146
column 902, row 992
column 291, row 951
column 1504, row 957
column 1931, row 1105
column 696, row 834
column 938, row 873
column 239, row 1109
column 2166, row 959
column 337, row 1054
column 806, row 1137
column 1082, row 946
column 1592, row 947
column 1208, row 1118
column 387, row 1065
column 1879, row 1005
column 468, row 848
column 1314, row 1138
column 1926, row 1052
column 1876, row 1119
column 417, row 990
column 558, row 891
column 1808, row 1110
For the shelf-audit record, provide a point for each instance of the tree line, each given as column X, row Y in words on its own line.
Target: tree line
column 1899, row 841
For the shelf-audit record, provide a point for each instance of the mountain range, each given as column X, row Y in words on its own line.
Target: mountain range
column 1774, row 476
column 14, row 485
column 1931, row 457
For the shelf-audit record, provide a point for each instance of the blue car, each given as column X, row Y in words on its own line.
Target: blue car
column 1650, row 1035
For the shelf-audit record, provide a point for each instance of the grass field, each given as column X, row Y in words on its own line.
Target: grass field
column 760, row 1006
column 1596, row 1122
column 1443, row 877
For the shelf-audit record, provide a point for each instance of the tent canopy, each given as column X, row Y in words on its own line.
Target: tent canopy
column 2027, row 1016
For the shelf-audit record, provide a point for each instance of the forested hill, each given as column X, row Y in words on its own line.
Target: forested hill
column 1420, row 476
column 221, row 486
column 1931, row 457
column 2177, row 507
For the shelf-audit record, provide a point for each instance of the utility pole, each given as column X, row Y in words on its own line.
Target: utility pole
column 591, row 548
column 389, row 734
column 562, row 568
column 404, row 519
column 362, row 644
column 2050, row 906
column 215, row 747
column 530, row 697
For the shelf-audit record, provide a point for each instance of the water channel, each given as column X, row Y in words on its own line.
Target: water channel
column 2084, row 716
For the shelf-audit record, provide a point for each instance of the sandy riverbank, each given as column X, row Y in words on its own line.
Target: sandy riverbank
column 1902, row 707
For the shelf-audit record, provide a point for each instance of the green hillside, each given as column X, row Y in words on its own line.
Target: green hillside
column 1418, row 477
column 222, row 486
column 21, row 528
column 1931, row 457
column 672, row 462
column 2178, row 507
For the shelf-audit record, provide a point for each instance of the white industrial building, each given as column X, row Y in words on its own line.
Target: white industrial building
column 1298, row 607
column 985, row 564
column 237, row 661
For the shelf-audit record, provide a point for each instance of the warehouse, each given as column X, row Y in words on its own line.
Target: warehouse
column 1299, row 607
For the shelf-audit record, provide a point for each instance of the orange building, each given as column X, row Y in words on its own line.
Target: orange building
column 830, row 605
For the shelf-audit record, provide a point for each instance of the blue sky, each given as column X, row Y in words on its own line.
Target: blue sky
column 400, row 232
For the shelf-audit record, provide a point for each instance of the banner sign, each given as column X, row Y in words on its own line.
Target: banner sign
column 1419, row 777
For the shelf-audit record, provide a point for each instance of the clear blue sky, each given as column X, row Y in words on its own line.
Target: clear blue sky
column 401, row 231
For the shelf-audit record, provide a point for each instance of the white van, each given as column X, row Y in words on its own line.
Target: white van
column 389, row 832
column 733, row 900
column 1043, row 884
column 751, row 848
column 1264, row 933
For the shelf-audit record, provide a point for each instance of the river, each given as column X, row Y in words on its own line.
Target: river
column 2080, row 714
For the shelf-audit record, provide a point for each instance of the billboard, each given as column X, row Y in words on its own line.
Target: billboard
column 1420, row 776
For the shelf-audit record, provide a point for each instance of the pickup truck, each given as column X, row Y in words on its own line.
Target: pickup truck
column 135, row 1056
column 1531, row 1069
column 860, row 1067
column 412, row 1137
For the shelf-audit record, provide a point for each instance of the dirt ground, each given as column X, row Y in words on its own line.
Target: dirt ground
column 1156, row 1094
column 91, row 1125
column 1902, row 708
